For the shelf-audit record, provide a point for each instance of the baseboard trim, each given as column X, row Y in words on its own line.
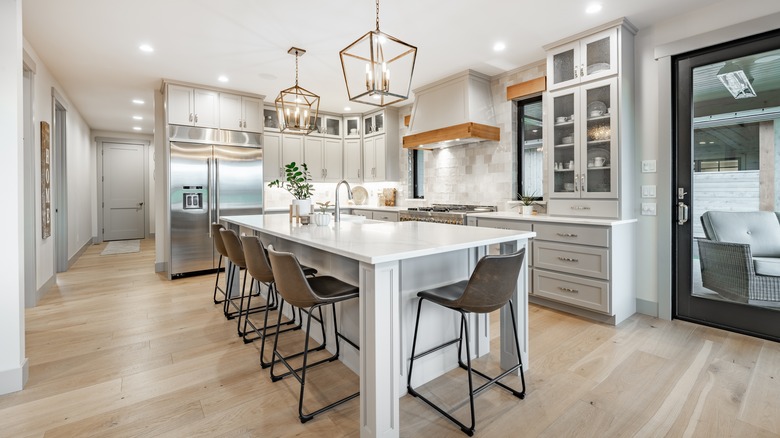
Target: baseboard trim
column 78, row 254
column 645, row 307
column 14, row 379
column 43, row 290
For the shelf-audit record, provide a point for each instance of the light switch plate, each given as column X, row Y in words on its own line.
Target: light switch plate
column 648, row 209
column 648, row 191
column 648, row 166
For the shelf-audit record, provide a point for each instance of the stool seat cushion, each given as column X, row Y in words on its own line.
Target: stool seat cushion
column 329, row 288
column 446, row 295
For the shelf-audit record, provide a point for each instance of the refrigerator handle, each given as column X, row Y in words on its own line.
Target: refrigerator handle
column 208, row 198
column 216, row 187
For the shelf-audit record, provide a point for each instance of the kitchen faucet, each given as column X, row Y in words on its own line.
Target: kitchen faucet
column 338, row 205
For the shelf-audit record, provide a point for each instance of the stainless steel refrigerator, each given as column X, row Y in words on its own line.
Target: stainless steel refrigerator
column 213, row 173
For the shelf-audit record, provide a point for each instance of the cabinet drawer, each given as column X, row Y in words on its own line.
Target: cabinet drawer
column 581, row 234
column 504, row 224
column 582, row 292
column 582, row 208
column 385, row 216
column 365, row 213
column 572, row 259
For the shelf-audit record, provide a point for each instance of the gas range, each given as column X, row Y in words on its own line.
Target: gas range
column 443, row 213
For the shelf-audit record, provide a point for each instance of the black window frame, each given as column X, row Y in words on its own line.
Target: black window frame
column 417, row 160
column 521, row 141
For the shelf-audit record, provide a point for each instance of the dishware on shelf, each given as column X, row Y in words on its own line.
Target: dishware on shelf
column 596, row 108
column 560, row 119
column 595, row 152
column 569, row 187
column 567, row 139
column 353, row 131
column 591, row 162
column 597, row 67
column 571, row 118
column 599, row 161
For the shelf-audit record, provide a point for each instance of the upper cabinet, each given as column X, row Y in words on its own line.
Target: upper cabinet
column 352, row 127
column 380, row 145
column 192, row 106
column 588, row 125
column 270, row 119
column 374, row 124
column 589, row 58
column 327, row 125
column 240, row 113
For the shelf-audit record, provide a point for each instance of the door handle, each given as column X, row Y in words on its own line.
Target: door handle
column 208, row 200
column 682, row 213
column 216, row 187
column 140, row 204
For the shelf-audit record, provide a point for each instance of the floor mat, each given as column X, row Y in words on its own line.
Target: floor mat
column 122, row 247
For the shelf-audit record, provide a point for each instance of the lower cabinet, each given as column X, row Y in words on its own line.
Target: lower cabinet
column 379, row 215
column 583, row 268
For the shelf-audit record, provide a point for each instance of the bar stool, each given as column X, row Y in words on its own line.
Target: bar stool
column 236, row 255
column 259, row 269
column 490, row 288
column 220, row 246
column 309, row 293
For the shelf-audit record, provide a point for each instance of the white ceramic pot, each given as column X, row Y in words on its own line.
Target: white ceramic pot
column 321, row 219
column 302, row 207
column 527, row 210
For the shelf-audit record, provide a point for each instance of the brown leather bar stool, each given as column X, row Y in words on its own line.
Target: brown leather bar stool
column 220, row 247
column 490, row 288
column 259, row 269
column 311, row 294
column 236, row 255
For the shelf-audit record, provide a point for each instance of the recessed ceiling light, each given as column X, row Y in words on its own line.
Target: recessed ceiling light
column 136, row 128
column 137, row 118
column 499, row 46
column 593, row 8
column 146, row 48
column 223, row 78
column 138, row 101
column 346, row 108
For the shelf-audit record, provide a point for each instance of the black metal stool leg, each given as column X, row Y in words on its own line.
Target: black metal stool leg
column 216, row 282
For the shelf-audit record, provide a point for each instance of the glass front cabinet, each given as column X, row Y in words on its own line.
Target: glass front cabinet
column 588, row 125
column 583, row 60
column 584, row 157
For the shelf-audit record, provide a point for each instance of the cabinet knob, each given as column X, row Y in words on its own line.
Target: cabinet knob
column 196, row 118
column 191, row 117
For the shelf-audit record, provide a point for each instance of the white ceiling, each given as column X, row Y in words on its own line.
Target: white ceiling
column 91, row 46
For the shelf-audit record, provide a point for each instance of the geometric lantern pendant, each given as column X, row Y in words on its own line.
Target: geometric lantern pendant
column 297, row 108
column 367, row 65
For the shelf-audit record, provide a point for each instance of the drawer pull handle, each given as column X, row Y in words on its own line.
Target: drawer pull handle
column 566, row 259
column 566, row 289
column 580, row 207
column 566, row 234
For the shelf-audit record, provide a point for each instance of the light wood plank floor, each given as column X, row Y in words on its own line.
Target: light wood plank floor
column 116, row 350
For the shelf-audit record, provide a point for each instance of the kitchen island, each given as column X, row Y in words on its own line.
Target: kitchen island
column 391, row 262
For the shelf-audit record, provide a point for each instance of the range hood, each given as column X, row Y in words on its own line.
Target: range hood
column 453, row 111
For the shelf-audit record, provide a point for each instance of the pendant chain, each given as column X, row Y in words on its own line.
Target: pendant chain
column 377, row 15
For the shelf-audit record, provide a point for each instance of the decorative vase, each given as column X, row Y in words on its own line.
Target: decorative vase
column 301, row 207
column 321, row 219
column 528, row 210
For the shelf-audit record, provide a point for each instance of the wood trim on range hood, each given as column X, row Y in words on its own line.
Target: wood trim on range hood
column 469, row 132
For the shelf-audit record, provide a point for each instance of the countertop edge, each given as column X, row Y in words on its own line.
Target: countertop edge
column 552, row 219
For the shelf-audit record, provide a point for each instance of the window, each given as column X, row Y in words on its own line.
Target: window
column 417, row 171
column 530, row 150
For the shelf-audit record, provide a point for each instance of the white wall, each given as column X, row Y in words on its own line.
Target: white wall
column 81, row 169
column 654, row 232
column 13, row 364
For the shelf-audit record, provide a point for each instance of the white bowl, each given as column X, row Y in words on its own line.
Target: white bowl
column 596, row 113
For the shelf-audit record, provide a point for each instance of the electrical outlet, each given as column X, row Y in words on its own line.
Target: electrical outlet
column 648, row 191
column 648, row 166
column 648, row 209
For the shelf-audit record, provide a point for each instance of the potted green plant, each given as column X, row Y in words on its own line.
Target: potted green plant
column 323, row 217
column 527, row 203
column 297, row 181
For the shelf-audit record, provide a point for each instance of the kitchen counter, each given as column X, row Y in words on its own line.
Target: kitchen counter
column 391, row 262
column 515, row 216
column 343, row 207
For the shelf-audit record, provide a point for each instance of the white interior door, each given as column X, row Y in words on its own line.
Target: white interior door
column 123, row 191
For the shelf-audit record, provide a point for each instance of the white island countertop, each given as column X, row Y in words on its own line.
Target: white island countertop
column 377, row 241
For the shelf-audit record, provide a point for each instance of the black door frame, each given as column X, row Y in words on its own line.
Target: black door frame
column 741, row 318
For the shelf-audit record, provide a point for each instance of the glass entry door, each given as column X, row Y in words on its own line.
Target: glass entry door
column 727, row 186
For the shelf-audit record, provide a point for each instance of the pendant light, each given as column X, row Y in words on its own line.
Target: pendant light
column 297, row 108
column 368, row 62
